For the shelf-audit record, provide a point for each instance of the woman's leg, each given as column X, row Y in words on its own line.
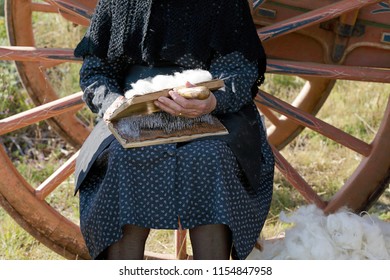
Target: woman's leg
column 131, row 246
column 211, row 242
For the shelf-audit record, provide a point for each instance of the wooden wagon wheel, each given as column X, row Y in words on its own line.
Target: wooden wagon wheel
column 321, row 31
column 342, row 40
column 27, row 205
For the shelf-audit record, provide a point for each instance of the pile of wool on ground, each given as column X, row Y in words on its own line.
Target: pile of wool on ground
column 313, row 235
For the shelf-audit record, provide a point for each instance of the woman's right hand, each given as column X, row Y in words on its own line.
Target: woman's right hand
column 178, row 105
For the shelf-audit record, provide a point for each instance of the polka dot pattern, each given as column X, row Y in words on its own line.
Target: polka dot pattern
column 199, row 182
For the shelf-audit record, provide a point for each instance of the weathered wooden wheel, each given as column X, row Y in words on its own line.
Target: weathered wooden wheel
column 19, row 16
column 324, row 29
column 341, row 40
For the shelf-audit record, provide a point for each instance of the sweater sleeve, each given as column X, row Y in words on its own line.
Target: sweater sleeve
column 239, row 75
column 101, row 82
column 100, row 78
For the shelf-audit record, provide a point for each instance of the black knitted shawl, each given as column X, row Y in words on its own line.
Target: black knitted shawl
column 148, row 31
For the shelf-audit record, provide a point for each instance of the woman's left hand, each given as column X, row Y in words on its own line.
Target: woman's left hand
column 190, row 108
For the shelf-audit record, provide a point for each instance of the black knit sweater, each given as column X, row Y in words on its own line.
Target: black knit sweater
column 151, row 31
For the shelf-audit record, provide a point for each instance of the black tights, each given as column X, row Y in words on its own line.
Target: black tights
column 131, row 246
column 209, row 242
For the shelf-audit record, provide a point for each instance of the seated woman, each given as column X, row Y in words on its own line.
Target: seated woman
column 219, row 188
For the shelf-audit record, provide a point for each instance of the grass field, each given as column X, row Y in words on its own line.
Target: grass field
column 36, row 151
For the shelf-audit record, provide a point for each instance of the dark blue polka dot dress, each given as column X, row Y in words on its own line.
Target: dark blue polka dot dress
column 198, row 182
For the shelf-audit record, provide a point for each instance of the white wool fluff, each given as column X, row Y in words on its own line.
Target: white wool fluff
column 341, row 235
column 161, row 82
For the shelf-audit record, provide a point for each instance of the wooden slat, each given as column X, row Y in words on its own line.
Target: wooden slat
column 66, row 104
column 269, row 114
column 181, row 244
column 60, row 175
column 32, row 54
column 339, row 72
column 83, row 8
column 314, row 123
column 371, row 177
column 74, row 11
column 296, row 180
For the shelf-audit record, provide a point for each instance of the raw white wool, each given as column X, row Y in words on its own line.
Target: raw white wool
column 161, row 82
column 315, row 236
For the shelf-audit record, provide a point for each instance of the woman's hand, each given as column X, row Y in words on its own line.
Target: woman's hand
column 190, row 108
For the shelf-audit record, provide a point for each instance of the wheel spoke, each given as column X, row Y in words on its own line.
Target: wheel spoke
column 269, row 114
column 60, row 175
column 296, row 180
column 43, row 8
column 306, row 69
column 80, row 7
column 33, row 54
column 371, row 177
column 76, row 11
column 60, row 106
column 315, row 124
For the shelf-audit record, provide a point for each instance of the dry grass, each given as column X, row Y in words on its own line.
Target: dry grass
column 324, row 164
